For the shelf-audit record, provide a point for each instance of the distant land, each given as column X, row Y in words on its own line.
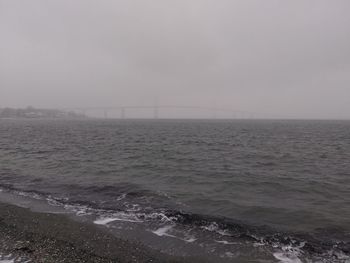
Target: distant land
column 31, row 112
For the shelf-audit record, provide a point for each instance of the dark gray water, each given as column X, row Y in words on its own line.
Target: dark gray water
column 280, row 186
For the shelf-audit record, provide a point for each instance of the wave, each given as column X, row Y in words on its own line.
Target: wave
column 191, row 227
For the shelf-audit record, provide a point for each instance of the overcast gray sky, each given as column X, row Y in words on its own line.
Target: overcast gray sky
column 288, row 58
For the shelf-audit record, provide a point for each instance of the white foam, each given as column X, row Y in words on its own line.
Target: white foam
column 226, row 242
column 214, row 227
column 6, row 259
column 259, row 244
column 190, row 239
column 157, row 215
column 79, row 210
column 342, row 256
column 28, row 194
column 163, row 231
column 284, row 257
column 53, row 202
column 118, row 217
column 104, row 221
column 121, row 197
column 289, row 254
column 133, row 207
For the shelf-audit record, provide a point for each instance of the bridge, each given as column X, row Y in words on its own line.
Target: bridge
column 156, row 109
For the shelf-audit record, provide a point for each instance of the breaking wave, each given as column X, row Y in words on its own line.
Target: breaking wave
column 191, row 228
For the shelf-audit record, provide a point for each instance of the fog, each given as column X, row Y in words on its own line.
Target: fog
column 274, row 58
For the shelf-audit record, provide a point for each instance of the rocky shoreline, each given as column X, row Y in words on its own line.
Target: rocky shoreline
column 40, row 237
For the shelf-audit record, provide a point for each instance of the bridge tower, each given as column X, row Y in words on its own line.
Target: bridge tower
column 122, row 113
column 156, row 109
column 155, row 112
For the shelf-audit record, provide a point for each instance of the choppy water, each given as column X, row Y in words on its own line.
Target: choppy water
column 273, row 190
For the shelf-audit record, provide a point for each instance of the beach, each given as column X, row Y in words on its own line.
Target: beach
column 41, row 237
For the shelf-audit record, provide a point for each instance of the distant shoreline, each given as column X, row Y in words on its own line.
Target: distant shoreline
column 45, row 118
column 173, row 119
column 35, row 113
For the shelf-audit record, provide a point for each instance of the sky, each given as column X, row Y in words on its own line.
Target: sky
column 273, row 58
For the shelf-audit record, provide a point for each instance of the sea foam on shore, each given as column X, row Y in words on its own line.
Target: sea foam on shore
column 7, row 259
column 27, row 236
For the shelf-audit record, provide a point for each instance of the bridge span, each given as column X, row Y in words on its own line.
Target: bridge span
column 157, row 109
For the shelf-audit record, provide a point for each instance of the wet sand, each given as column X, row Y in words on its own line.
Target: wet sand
column 42, row 237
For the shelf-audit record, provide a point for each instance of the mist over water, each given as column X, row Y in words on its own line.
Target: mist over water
column 285, row 59
column 238, row 178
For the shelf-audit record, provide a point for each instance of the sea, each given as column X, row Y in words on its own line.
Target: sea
column 224, row 190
